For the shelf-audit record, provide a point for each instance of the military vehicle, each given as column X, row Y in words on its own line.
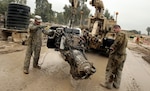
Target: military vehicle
column 99, row 34
column 16, row 22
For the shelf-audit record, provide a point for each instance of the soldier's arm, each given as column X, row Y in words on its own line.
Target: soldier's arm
column 48, row 32
column 33, row 27
column 118, row 41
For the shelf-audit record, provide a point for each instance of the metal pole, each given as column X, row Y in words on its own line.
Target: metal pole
column 81, row 19
column 116, row 16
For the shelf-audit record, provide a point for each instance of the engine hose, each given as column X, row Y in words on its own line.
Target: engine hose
column 43, row 59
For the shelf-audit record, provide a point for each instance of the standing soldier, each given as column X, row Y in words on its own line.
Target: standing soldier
column 138, row 40
column 116, row 60
column 34, row 44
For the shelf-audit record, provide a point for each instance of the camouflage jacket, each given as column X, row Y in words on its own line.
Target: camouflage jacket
column 35, row 34
column 120, row 44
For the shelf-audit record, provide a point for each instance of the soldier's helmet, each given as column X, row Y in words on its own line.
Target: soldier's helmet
column 38, row 18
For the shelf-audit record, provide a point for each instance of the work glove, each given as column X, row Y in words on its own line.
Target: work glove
column 41, row 26
column 47, row 28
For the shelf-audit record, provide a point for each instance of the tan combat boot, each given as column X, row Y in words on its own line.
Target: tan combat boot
column 26, row 71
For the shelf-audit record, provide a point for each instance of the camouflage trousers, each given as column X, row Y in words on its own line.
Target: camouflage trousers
column 114, row 70
column 30, row 50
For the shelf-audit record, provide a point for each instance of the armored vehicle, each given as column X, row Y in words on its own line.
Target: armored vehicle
column 99, row 35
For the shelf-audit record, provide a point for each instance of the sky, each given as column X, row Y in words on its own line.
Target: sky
column 133, row 14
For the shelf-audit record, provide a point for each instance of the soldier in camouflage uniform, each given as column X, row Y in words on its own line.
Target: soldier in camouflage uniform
column 116, row 60
column 34, row 43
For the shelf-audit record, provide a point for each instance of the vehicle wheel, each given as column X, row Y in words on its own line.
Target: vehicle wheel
column 18, row 16
column 50, row 43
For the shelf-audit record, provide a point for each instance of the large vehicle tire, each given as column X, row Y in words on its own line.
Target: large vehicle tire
column 18, row 16
column 50, row 43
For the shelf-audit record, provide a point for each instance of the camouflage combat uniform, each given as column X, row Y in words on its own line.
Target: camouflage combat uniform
column 34, row 45
column 116, row 61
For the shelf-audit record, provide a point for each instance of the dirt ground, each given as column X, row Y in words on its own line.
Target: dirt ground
column 10, row 47
column 141, row 49
column 54, row 75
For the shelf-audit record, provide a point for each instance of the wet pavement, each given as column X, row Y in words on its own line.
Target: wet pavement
column 55, row 76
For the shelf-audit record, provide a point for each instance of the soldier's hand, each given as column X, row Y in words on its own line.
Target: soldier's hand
column 47, row 28
column 111, row 50
column 41, row 26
